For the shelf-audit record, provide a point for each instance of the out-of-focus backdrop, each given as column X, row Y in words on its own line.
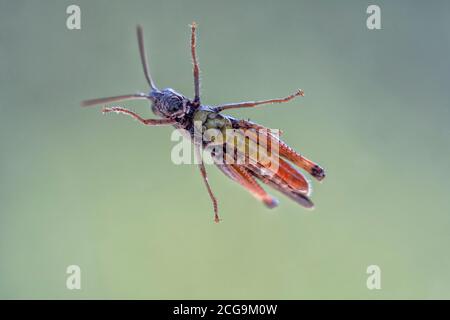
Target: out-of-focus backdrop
column 100, row 191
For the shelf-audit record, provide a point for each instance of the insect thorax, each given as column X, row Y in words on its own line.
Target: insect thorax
column 204, row 118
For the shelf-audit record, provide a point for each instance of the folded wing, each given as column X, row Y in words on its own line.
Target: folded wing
column 254, row 157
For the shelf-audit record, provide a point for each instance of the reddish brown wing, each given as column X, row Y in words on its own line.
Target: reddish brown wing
column 242, row 176
column 284, row 150
column 312, row 168
column 277, row 182
column 284, row 177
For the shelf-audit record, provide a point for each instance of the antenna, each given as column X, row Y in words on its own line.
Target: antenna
column 92, row 102
column 140, row 37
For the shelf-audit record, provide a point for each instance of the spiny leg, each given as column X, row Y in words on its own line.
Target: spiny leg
column 196, row 68
column 202, row 168
column 250, row 104
column 312, row 168
column 148, row 122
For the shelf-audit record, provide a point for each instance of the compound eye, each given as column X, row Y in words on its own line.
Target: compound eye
column 175, row 104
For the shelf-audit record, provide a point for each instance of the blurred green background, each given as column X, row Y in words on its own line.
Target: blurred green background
column 101, row 192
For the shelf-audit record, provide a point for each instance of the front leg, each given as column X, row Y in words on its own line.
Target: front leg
column 196, row 68
column 148, row 122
